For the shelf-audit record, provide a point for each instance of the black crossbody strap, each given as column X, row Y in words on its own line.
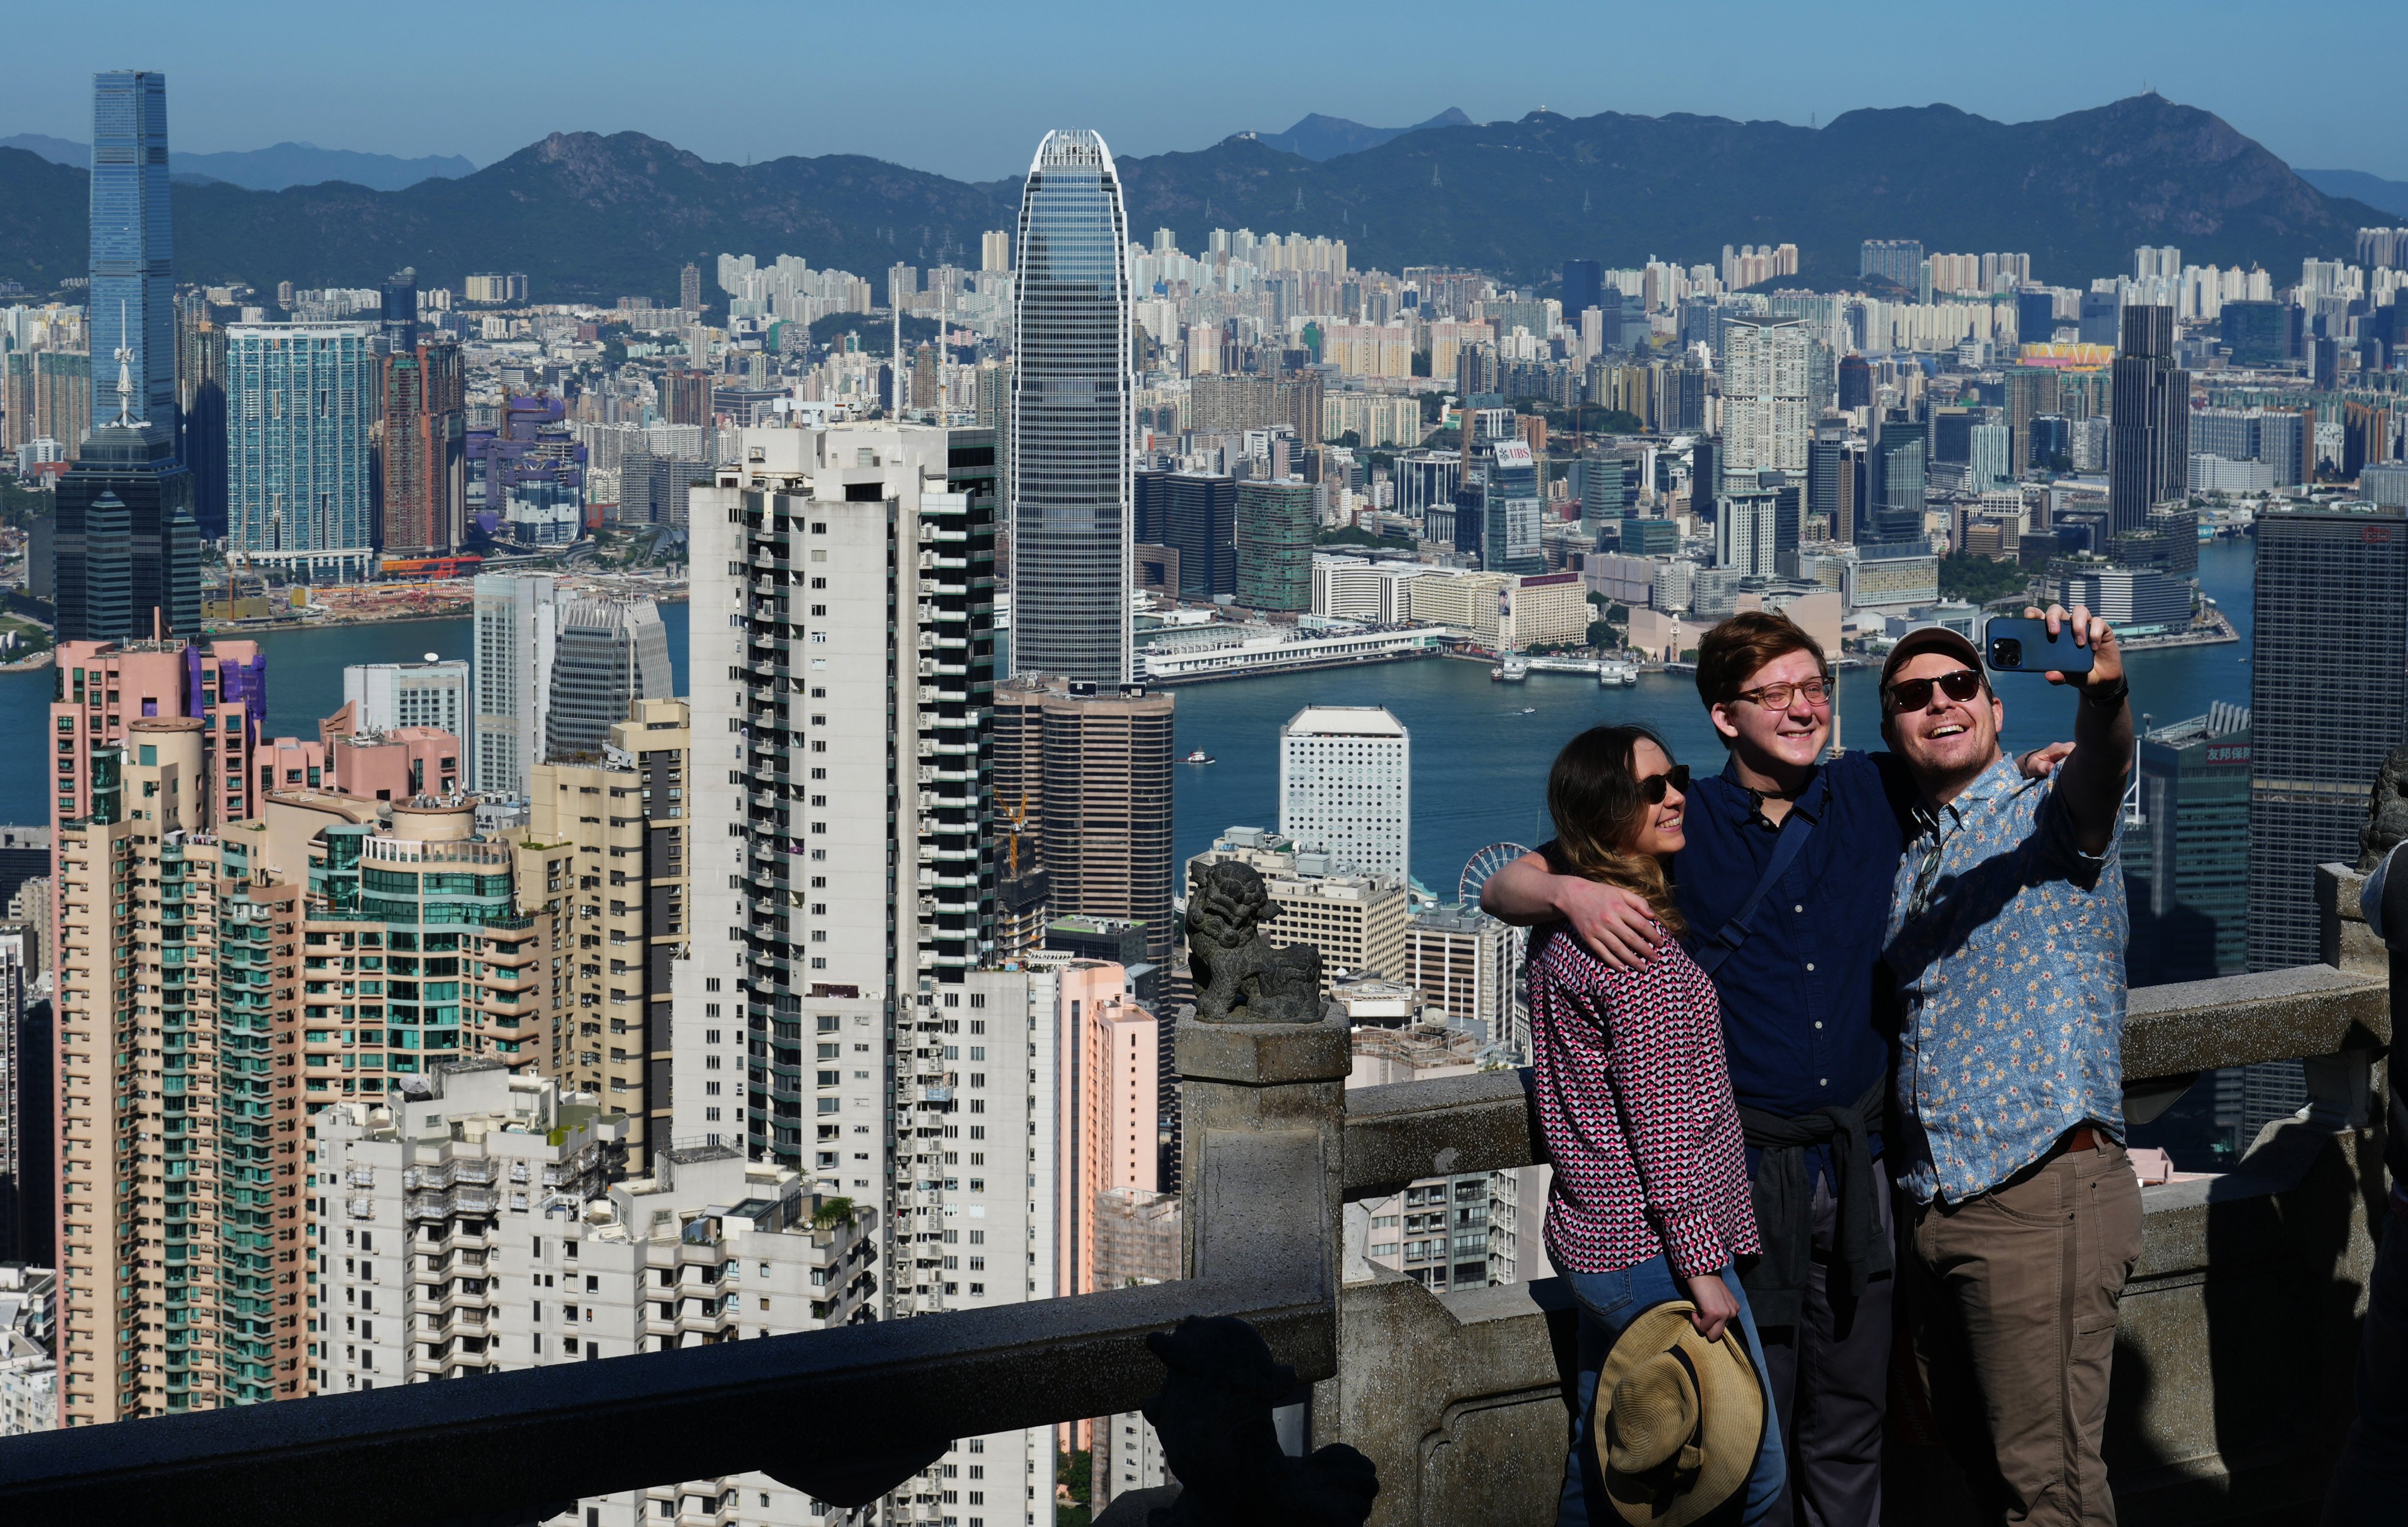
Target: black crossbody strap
column 1730, row 935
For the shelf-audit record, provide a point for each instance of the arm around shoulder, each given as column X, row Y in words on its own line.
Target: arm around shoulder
column 1615, row 925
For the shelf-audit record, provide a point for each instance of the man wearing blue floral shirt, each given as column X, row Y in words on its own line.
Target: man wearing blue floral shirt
column 2006, row 934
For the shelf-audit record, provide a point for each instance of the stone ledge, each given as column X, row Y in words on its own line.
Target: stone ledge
column 2271, row 1015
column 1265, row 1055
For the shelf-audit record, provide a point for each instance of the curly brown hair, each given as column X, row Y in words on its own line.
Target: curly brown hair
column 1593, row 794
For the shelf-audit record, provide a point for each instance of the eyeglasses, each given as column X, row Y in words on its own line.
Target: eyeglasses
column 1777, row 696
column 1651, row 789
column 1915, row 694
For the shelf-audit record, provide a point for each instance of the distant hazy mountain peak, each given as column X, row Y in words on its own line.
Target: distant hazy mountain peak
column 273, row 168
column 1320, row 137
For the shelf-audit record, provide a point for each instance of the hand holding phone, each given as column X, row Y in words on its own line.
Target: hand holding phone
column 2027, row 646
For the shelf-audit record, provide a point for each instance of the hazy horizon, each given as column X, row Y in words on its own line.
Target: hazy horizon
column 936, row 104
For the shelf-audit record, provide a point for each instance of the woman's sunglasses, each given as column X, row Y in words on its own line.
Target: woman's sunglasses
column 1915, row 694
column 1651, row 789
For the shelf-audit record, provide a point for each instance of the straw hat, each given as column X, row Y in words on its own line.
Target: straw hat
column 1679, row 1418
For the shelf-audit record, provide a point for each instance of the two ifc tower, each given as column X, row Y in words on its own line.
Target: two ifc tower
column 1073, row 421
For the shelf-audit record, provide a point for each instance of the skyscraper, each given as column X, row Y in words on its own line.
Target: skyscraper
column 1275, row 527
column 201, row 421
column 840, row 870
column 1584, row 289
column 1511, row 512
column 2327, row 702
column 1896, row 486
column 1195, row 514
column 1765, row 414
column 128, row 556
column 1107, row 763
column 2186, row 870
column 423, row 464
column 1747, row 525
column 401, row 310
column 2148, row 462
column 1346, row 788
column 1897, row 261
column 608, row 654
column 516, row 629
column 133, row 291
column 622, row 810
column 1072, row 556
column 300, row 406
column 1834, row 468
column 690, row 287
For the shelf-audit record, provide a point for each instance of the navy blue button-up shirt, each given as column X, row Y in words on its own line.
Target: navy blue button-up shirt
column 1806, row 1018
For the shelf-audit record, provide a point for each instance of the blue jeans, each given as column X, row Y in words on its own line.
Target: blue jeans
column 2372, row 1477
column 1608, row 1302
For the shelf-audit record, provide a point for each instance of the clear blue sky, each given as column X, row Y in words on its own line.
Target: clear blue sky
column 968, row 89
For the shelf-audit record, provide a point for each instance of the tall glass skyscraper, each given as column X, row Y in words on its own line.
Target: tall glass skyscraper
column 1071, row 555
column 300, row 404
column 133, row 291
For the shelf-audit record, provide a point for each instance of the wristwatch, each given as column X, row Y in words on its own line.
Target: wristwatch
column 2108, row 696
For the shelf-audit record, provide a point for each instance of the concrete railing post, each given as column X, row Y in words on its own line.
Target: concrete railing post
column 2342, row 1088
column 1262, row 1078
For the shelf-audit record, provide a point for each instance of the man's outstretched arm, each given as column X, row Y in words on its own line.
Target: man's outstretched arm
column 1617, row 925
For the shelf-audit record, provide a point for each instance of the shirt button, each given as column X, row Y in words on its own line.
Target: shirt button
column 1810, row 965
column 1818, row 1022
column 1825, row 1082
column 1799, row 907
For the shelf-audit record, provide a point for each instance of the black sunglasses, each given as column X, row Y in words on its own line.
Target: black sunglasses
column 1651, row 789
column 1915, row 694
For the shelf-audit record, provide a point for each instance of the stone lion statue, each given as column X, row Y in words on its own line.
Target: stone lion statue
column 2387, row 810
column 1239, row 977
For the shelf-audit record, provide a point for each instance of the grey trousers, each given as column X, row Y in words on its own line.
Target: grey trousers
column 1830, row 1379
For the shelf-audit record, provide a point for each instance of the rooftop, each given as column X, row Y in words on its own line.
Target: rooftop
column 1344, row 722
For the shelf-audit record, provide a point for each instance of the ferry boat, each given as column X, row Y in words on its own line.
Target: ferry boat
column 1511, row 671
column 1198, row 756
column 1611, row 673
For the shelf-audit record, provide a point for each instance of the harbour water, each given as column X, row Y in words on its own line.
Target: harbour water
column 1478, row 761
column 1480, row 764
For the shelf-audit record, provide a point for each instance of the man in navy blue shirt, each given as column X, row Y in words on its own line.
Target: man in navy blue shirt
column 1795, row 957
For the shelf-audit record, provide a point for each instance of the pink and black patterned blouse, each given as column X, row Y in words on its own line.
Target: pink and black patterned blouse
column 1634, row 1100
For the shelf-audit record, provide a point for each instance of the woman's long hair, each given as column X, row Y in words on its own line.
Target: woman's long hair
column 1593, row 794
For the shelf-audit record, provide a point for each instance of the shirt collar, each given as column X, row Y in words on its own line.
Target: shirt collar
column 1739, row 803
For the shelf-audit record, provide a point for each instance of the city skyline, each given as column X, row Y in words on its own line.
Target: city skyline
column 854, row 984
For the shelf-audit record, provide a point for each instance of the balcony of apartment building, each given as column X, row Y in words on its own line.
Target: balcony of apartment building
column 2235, row 1343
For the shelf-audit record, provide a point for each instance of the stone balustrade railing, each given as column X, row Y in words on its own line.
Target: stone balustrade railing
column 2230, row 1390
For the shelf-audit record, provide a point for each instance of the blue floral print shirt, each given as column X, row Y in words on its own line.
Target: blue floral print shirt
column 2008, row 942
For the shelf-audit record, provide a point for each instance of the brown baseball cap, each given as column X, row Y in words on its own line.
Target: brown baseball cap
column 1930, row 638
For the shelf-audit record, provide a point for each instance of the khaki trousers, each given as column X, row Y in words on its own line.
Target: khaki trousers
column 2013, row 1294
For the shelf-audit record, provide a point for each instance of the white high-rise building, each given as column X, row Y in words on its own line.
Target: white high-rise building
column 516, row 631
column 1346, row 788
column 1766, row 419
column 385, row 697
column 471, row 1227
column 1745, row 532
column 838, row 1013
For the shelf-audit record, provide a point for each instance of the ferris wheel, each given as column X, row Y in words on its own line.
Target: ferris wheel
column 1483, row 864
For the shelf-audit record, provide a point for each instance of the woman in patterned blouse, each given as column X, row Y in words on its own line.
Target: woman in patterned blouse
column 1650, row 1196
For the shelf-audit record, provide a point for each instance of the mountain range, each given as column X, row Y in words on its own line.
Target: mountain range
column 592, row 217
column 1318, row 137
column 2373, row 190
column 272, row 169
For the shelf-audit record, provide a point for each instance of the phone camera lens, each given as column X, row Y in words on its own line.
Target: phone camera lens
column 2006, row 652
